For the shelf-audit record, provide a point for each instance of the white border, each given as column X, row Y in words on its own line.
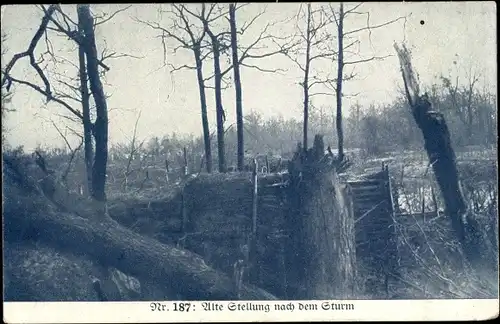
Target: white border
column 140, row 312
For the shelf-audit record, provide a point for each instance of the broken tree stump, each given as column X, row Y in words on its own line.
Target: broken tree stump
column 437, row 143
column 321, row 258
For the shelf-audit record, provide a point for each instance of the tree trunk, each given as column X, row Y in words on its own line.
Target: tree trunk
column 338, row 90
column 87, row 123
column 218, row 99
column 203, row 102
column 101, row 123
column 29, row 215
column 305, row 83
column 237, row 87
column 437, row 143
column 321, row 259
column 441, row 155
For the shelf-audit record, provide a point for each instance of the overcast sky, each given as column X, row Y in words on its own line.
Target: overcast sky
column 446, row 38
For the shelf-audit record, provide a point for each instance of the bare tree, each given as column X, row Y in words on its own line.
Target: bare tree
column 462, row 100
column 83, row 35
column 217, row 48
column 189, row 37
column 237, row 86
column 134, row 149
column 347, row 41
column 101, row 123
column 315, row 39
column 86, row 121
column 281, row 46
column 72, row 151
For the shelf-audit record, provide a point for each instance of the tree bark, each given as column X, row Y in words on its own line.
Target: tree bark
column 305, row 83
column 101, row 123
column 321, row 259
column 203, row 102
column 237, row 87
column 87, row 123
column 218, row 99
column 437, row 143
column 338, row 90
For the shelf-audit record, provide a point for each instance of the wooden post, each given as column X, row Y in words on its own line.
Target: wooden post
column 254, row 198
column 185, row 167
column 166, row 170
column 434, row 200
column 392, row 261
column 253, row 235
column 422, row 190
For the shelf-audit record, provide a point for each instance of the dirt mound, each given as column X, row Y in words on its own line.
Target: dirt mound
column 52, row 245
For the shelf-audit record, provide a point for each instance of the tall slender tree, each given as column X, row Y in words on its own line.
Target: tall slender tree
column 237, row 87
column 351, row 36
column 314, row 37
column 189, row 37
column 84, row 36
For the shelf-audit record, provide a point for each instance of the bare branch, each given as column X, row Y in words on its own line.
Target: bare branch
column 62, row 135
column 115, row 55
column 262, row 69
column 133, row 147
column 368, row 59
column 317, row 80
column 323, row 55
column 70, row 162
column 72, row 34
column 30, row 52
column 70, row 118
column 48, row 95
column 353, row 9
column 322, row 94
column 251, row 22
column 370, row 28
column 156, row 26
column 67, row 96
column 182, row 67
column 97, row 23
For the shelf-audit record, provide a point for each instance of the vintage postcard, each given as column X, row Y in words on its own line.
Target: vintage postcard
column 249, row 162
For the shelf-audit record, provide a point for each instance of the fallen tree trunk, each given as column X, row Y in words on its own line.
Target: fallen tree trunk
column 30, row 216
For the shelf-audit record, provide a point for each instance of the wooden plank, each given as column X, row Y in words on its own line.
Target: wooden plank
column 368, row 196
column 364, row 183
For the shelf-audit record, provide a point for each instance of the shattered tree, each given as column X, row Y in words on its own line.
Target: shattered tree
column 321, row 252
column 437, row 142
column 89, row 64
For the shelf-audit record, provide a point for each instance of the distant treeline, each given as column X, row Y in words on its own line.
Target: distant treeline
column 471, row 117
column 372, row 129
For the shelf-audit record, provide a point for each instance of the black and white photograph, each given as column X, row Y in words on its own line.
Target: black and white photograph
column 249, row 159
